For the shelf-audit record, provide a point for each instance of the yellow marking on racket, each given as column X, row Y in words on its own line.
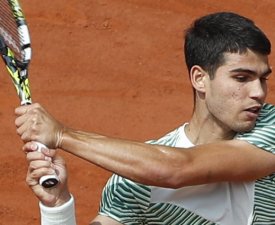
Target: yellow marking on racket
column 21, row 84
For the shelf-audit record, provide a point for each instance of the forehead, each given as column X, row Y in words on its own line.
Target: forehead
column 248, row 60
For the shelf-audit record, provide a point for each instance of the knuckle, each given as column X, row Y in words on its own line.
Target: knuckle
column 18, row 132
column 35, row 105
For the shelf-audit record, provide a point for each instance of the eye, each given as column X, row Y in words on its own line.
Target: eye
column 241, row 78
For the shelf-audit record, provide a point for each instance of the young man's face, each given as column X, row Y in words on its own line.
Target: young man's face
column 235, row 95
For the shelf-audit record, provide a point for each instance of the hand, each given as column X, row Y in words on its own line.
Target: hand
column 34, row 123
column 46, row 163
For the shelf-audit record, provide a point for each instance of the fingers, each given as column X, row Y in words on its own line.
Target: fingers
column 27, row 121
column 34, row 123
column 32, row 146
column 38, row 169
column 25, row 113
column 41, row 165
column 33, row 156
column 25, row 132
column 41, row 152
column 21, row 110
column 21, row 123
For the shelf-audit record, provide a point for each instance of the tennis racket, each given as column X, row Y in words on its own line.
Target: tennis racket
column 15, row 49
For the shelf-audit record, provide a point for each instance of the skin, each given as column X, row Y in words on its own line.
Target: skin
column 227, row 104
column 230, row 102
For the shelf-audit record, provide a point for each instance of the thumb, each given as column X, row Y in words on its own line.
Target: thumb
column 49, row 152
column 30, row 147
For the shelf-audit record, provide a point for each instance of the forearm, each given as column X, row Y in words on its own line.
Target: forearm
column 140, row 162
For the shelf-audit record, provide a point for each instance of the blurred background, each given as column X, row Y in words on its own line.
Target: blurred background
column 115, row 67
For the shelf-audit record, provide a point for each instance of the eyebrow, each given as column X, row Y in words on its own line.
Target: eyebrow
column 252, row 72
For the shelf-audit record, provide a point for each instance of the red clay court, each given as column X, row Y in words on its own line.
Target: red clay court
column 114, row 67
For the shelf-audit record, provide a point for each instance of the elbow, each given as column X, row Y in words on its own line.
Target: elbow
column 175, row 171
column 170, row 177
column 177, row 180
column 169, row 168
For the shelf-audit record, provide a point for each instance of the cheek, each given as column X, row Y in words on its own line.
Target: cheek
column 225, row 102
column 223, row 98
column 227, row 94
column 236, row 95
column 239, row 94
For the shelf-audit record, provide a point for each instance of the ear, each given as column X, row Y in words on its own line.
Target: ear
column 198, row 78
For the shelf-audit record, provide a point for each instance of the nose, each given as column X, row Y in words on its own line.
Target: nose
column 259, row 90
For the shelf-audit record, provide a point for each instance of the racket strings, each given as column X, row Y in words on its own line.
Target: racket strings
column 9, row 29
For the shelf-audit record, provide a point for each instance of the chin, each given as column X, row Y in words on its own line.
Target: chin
column 245, row 127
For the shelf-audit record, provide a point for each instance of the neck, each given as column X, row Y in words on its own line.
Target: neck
column 203, row 129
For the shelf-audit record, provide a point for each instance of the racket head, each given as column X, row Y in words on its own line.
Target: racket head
column 15, row 46
column 14, row 30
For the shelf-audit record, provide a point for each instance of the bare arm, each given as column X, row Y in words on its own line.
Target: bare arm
column 148, row 164
column 171, row 167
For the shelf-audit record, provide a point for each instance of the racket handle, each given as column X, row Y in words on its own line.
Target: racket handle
column 47, row 181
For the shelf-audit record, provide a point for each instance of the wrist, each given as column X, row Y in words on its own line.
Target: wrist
column 66, row 136
column 57, row 201
column 54, row 207
column 63, row 198
column 59, row 137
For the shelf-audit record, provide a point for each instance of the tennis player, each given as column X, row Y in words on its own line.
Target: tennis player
column 227, row 59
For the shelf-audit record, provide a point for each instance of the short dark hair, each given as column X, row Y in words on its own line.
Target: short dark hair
column 212, row 35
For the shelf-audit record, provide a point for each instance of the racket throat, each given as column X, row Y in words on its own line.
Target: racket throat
column 18, row 72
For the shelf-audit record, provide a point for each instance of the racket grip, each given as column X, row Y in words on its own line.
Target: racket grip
column 47, row 181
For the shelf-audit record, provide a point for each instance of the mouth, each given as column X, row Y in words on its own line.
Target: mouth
column 254, row 110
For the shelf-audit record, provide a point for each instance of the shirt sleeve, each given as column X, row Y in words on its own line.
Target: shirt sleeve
column 61, row 215
column 263, row 134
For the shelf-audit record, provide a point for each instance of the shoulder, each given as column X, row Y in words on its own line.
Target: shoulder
column 262, row 135
column 169, row 139
column 266, row 116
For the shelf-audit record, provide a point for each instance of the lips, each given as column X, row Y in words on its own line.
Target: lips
column 254, row 110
